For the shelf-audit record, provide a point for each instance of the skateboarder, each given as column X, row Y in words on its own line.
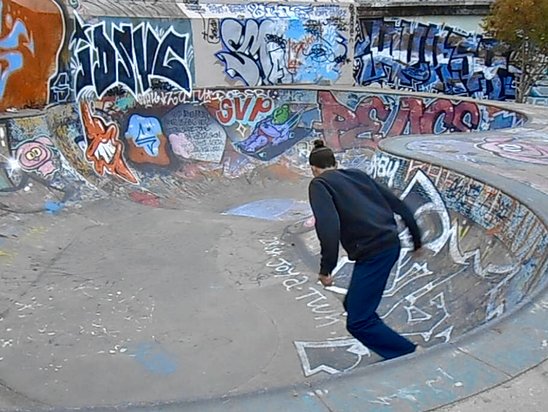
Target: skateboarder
column 352, row 208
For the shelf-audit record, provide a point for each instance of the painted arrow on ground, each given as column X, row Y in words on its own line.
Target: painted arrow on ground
column 331, row 356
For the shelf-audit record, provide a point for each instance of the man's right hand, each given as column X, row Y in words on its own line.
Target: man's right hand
column 326, row 280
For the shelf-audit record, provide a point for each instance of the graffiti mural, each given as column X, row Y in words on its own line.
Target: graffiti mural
column 271, row 135
column 243, row 109
column 31, row 36
column 362, row 120
column 281, row 51
column 539, row 92
column 264, row 10
column 431, row 58
column 104, row 148
column 535, row 152
column 231, row 131
column 131, row 55
column 37, row 155
column 194, row 134
column 146, row 141
column 35, row 176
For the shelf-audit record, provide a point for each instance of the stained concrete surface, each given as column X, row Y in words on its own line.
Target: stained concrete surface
column 118, row 303
column 526, row 392
column 115, row 303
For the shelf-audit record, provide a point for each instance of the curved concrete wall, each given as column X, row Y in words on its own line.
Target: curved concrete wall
column 126, row 116
column 229, row 132
column 166, row 155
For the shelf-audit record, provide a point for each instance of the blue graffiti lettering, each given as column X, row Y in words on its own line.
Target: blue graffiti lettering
column 60, row 88
column 431, row 58
column 270, row 52
column 129, row 56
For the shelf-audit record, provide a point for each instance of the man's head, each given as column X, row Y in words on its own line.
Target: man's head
column 321, row 158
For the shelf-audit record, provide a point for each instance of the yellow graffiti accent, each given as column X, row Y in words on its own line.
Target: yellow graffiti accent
column 462, row 231
column 37, row 230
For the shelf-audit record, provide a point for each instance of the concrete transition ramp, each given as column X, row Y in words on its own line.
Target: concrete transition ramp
column 157, row 250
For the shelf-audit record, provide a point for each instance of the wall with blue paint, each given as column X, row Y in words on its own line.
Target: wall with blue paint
column 268, row 44
column 411, row 54
column 252, row 45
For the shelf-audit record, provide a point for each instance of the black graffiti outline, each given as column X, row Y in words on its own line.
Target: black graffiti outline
column 132, row 70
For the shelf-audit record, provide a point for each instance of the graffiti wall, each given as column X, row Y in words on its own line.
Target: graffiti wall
column 428, row 57
column 34, row 173
column 247, row 44
column 31, row 37
column 173, row 137
column 266, row 44
column 539, row 92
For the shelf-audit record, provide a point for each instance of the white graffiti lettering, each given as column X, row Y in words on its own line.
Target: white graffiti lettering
column 129, row 56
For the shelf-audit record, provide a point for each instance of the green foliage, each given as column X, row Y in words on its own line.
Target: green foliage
column 513, row 20
column 522, row 25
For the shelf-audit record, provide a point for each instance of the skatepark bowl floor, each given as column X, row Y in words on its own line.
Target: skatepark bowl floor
column 197, row 290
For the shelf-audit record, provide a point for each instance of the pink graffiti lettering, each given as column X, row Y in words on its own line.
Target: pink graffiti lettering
column 515, row 149
column 36, row 155
column 181, row 145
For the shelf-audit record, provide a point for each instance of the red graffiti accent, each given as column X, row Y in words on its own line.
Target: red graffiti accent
column 359, row 129
column 344, row 128
column 433, row 112
column 104, row 148
column 296, row 52
column 461, row 110
column 145, row 198
column 409, row 113
column 243, row 109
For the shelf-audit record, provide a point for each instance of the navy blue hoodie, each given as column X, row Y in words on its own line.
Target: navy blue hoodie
column 350, row 207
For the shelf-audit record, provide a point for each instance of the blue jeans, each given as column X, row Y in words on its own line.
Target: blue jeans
column 362, row 300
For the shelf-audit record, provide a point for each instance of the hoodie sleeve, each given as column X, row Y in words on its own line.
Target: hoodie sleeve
column 399, row 207
column 327, row 225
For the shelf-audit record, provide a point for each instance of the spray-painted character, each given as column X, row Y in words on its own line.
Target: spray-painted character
column 36, row 155
column 104, row 148
column 523, row 151
column 146, row 141
column 272, row 130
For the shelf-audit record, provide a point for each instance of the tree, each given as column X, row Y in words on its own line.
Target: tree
column 522, row 26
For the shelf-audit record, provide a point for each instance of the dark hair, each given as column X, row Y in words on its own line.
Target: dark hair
column 321, row 156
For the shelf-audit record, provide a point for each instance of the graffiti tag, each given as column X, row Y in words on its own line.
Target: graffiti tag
column 373, row 118
column 104, row 148
column 36, row 155
column 431, row 57
column 270, row 52
column 129, row 56
column 244, row 110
